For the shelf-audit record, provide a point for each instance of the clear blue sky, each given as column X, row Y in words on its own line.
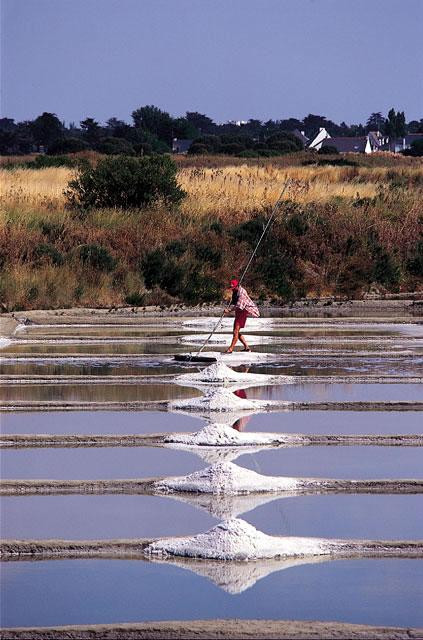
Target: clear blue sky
column 230, row 59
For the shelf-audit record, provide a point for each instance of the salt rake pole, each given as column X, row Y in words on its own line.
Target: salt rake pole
column 268, row 223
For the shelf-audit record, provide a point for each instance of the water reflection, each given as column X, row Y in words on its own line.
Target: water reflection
column 97, row 392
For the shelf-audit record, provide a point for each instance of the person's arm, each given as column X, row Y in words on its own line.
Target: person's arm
column 232, row 306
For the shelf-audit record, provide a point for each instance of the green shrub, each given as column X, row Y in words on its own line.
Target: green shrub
column 115, row 147
column 328, row 150
column 386, row 271
column 337, row 162
column 205, row 253
column 48, row 253
column 96, row 257
column 126, row 182
column 248, row 153
column 297, row 224
column 152, row 267
column 201, row 288
column 415, row 263
column 249, row 231
column 44, row 162
column 231, row 148
column 416, row 148
column 176, row 248
column 197, row 149
column 67, row 145
column 217, row 227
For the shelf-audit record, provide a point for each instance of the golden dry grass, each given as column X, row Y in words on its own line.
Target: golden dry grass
column 241, row 190
column 34, row 187
column 230, row 189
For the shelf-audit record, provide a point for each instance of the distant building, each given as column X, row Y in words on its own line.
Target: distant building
column 412, row 137
column 317, row 141
column 181, row 145
column 344, row 144
column 301, row 136
column 396, row 145
column 378, row 141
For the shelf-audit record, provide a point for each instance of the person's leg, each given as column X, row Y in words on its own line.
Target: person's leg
column 234, row 338
column 244, row 342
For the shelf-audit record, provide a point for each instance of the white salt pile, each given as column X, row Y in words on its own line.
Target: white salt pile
column 223, row 435
column 220, row 399
column 236, row 540
column 220, row 373
column 227, row 478
column 4, row 342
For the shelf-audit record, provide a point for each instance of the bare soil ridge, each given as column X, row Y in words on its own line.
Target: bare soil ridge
column 218, row 630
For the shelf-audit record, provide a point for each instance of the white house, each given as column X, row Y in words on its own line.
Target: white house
column 317, row 142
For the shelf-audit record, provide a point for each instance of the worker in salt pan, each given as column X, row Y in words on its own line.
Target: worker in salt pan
column 243, row 306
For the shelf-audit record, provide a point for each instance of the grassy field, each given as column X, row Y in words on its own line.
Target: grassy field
column 341, row 231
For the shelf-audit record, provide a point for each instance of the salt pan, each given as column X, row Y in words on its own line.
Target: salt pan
column 237, row 540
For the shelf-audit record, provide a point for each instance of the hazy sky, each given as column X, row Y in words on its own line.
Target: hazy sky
column 230, row 59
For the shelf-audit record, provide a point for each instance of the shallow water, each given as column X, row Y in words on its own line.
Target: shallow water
column 366, row 591
column 335, row 392
column 144, row 462
column 86, row 392
column 378, row 592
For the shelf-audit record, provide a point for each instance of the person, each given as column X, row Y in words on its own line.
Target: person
column 244, row 307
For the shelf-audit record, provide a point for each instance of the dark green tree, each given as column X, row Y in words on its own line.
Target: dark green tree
column 203, row 124
column 46, row 129
column 395, row 124
column 91, row 131
column 155, row 121
column 375, row 122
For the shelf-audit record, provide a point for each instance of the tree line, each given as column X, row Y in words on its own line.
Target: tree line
column 152, row 131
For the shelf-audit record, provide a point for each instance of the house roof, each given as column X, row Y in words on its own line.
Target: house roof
column 181, row 144
column 298, row 134
column 346, row 144
column 412, row 137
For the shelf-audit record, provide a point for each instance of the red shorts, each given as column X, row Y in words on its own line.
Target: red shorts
column 240, row 318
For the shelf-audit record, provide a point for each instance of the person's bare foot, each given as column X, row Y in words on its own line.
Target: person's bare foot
column 229, row 351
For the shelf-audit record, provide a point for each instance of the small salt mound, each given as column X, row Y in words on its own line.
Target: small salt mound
column 227, row 478
column 219, row 400
column 236, row 540
column 4, row 342
column 222, row 374
column 226, row 436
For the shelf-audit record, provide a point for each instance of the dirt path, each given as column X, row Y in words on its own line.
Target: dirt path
column 218, row 630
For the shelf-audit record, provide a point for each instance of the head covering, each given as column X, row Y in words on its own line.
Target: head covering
column 234, row 283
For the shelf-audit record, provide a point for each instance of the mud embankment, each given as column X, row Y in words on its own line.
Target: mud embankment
column 218, row 630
